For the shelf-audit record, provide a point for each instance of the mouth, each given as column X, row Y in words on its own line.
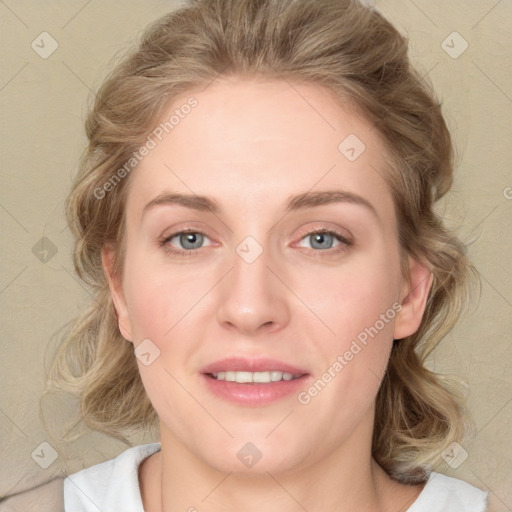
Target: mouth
column 253, row 382
column 243, row 377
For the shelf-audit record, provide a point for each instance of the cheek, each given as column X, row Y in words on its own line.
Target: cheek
column 358, row 304
column 169, row 305
column 146, row 305
column 352, row 297
column 158, row 296
column 147, row 299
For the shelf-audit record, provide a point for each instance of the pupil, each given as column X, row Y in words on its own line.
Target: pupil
column 321, row 239
column 190, row 238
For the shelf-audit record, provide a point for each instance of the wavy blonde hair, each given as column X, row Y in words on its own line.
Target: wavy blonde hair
column 358, row 55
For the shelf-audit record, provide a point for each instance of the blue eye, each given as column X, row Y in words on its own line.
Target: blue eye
column 194, row 239
column 324, row 239
column 321, row 242
column 189, row 242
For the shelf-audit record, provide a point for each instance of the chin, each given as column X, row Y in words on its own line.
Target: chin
column 255, row 456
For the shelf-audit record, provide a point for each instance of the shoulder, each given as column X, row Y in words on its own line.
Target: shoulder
column 48, row 497
column 108, row 484
column 445, row 494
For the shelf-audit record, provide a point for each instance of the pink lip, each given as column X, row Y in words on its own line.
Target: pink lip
column 253, row 394
column 251, row 365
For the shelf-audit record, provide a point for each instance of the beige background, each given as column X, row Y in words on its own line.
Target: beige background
column 42, row 104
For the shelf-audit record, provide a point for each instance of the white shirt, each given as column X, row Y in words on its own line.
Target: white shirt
column 113, row 486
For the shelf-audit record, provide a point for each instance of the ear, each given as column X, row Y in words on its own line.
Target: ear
column 415, row 294
column 117, row 293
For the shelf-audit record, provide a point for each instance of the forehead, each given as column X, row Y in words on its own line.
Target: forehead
column 255, row 142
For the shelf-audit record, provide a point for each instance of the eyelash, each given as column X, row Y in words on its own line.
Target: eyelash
column 345, row 243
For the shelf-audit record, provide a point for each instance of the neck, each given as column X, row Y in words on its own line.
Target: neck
column 347, row 479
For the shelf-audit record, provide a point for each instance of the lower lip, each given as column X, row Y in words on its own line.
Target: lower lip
column 254, row 394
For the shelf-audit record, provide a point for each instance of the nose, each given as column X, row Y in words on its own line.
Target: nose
column 253, row 296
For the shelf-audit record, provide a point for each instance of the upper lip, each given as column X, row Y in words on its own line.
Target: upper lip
column 252, row 365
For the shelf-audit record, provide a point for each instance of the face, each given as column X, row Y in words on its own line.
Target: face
column 281, row 265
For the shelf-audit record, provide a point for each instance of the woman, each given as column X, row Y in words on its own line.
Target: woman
column 256, row 213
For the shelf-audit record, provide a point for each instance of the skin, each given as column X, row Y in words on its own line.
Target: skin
column 251, row 144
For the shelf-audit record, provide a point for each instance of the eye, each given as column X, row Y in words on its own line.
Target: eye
column 190, row 241
column 324, row 239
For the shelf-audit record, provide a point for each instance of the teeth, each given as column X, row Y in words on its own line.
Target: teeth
column 250, row 377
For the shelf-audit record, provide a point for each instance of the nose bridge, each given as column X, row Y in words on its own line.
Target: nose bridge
column 252, row 295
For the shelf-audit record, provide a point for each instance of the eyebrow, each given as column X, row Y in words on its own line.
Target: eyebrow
column 294, row 203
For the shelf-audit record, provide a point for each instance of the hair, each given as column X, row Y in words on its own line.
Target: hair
column 355, row 53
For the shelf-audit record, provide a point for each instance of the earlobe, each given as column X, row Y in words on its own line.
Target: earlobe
column 117, row 293
column 414, row 301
